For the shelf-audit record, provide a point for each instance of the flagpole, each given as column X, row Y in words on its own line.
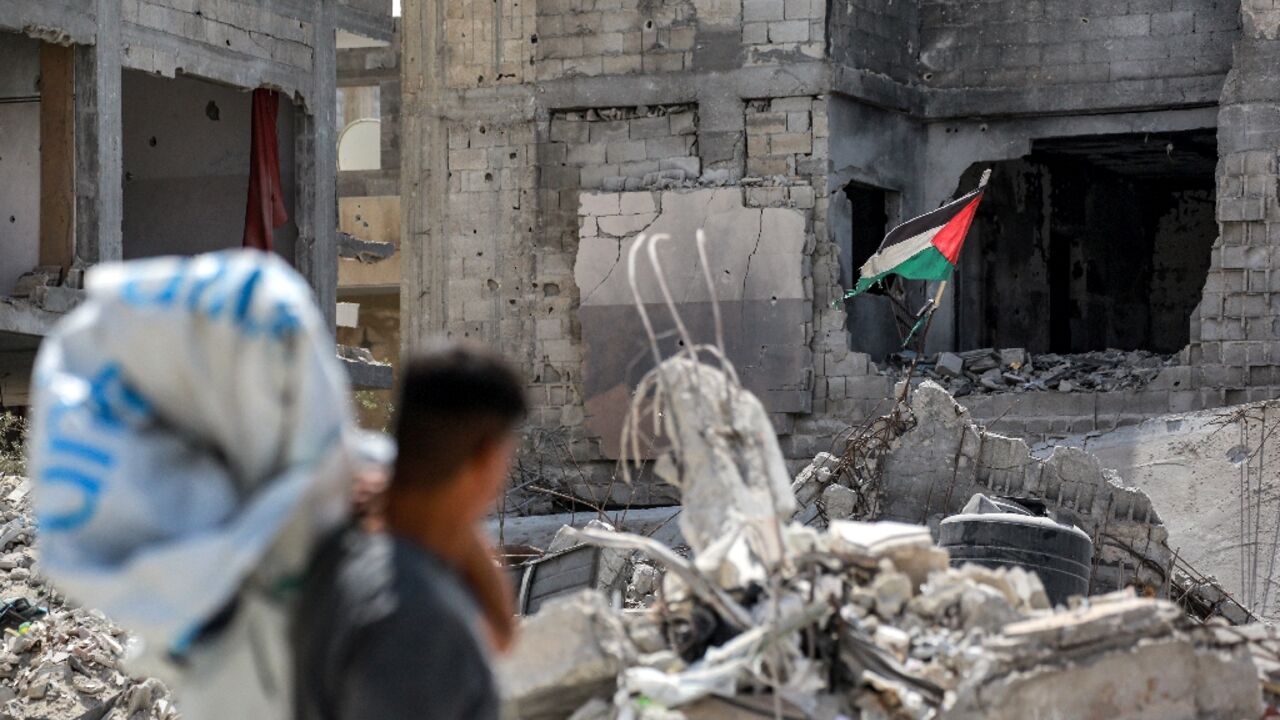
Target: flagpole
column 924, row 333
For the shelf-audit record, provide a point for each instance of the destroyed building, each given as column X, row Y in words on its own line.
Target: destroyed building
column 127, row 134
column 1132, row 204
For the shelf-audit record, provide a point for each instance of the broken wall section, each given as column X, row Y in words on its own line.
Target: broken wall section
column 1234, row 349
column 946, row 458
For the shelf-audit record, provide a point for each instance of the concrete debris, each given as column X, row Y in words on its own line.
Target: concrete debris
column 1120, row 656
column 936, row 466
column 724, row 458
column 569, row 652
column 1014, row 370
column 365, row 251
column 66, row 664
column 1219, row 493
column 41, row 276
column 869, row 619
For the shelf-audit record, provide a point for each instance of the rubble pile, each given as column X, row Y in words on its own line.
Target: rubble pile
column 63, row 663
column 870, row 622
column 1014, row 370
column 844, row 618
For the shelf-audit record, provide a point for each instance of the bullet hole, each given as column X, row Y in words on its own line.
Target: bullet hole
column 512, row 156
column 152, row 141
column 512, row 301
column 533, row 39
column 488, row 177
column 550, row 290
column 212, row 112
column 493, row 284
column 982, row 127
column 927, row 76
column 680, row 343
column 1084, row 20
column 228, row 43
column 648, row 24
column 480, row 80
column 483, row 130
column 480, row 254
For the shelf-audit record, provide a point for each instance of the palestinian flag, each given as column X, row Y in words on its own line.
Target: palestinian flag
column 923, row 248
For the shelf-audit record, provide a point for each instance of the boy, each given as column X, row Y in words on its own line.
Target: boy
column 399, row 624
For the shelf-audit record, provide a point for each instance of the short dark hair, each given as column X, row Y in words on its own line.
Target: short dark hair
column 455, row 399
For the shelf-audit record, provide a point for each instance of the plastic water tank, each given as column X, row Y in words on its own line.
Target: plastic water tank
column 998, row 533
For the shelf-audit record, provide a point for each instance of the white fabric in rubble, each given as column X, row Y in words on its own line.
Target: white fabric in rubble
column 724, row 459
column 191, row 438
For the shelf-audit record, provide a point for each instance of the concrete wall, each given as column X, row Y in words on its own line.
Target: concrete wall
column 186, row 164
column 986, row 56
column 907, row 97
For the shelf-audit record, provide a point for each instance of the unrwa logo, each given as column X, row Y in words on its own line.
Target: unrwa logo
column 74, row 465
column 209, row 285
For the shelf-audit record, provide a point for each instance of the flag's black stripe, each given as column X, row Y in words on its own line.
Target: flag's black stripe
column 927, row 221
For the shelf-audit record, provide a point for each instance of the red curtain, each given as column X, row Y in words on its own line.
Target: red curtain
column 266, row 210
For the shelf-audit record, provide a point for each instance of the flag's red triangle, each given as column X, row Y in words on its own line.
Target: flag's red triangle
column 951, row 237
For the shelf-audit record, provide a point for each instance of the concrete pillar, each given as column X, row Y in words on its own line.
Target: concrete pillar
column 99, row 194
column 316, row 254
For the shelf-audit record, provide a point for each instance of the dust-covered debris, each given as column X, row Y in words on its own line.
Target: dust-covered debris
column 867, row 619
column 1014, row 370
column 66, row 664
column 786, row 603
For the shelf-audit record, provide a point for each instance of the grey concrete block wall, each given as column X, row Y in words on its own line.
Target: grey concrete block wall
column 745, row 91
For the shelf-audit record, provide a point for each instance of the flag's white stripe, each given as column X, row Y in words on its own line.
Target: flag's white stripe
column 898, row 253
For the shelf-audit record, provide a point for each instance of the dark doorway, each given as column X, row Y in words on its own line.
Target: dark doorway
column 1091, row 243
column 872, row 212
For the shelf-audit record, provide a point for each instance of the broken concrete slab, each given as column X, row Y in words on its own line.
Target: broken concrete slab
column 365, row 372
column 938, row 465
column 56, row 298
column 1119, row 656
column 569, row 652
column 1207, row 468
column 724, row 457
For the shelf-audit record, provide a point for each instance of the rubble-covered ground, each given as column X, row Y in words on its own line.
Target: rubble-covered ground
column 64, row 665
column 784, row 607
column 1014, row 370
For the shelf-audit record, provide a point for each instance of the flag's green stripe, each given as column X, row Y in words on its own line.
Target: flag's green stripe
column 928, row 264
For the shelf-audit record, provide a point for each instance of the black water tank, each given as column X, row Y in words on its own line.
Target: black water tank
column 997, row 533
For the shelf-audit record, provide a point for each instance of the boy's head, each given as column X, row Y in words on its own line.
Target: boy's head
column 459, row 407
